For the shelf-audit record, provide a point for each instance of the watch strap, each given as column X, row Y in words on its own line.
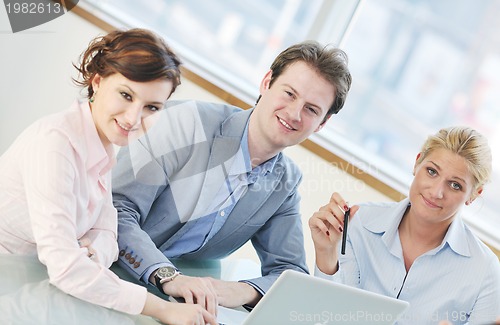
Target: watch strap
column 158, row 284
column 159, row 281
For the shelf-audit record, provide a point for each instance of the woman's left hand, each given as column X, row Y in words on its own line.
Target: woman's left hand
column 91, row 253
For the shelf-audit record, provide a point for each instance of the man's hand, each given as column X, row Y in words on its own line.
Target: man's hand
column 234, row 294
column 194, row 290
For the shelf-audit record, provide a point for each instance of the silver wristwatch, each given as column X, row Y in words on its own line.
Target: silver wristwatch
column 165, row 274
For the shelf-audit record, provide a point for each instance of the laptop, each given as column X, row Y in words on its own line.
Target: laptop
column 299, row 298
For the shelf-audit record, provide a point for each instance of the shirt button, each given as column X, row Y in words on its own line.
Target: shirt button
column 222, row 213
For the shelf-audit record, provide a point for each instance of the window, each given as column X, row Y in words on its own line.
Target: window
column 233, row 40
column 417, row 66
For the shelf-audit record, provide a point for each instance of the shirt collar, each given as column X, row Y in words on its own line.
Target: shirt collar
column 242, row 163
column 268, row 166
column 456, row 237
column 98, row 158
column 388, row 226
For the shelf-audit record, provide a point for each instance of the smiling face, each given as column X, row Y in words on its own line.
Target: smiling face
column 290, row 109
column 121, row 105
column 441, row 186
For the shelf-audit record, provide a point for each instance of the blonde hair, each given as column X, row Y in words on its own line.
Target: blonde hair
column 467, row 143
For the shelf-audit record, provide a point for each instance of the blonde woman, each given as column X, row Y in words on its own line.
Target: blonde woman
column 419, row 250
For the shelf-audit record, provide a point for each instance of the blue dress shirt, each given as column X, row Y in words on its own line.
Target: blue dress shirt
column 457, row 281
column 239, row 175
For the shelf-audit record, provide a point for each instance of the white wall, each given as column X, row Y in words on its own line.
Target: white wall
column 35, row 80
column 36, row 71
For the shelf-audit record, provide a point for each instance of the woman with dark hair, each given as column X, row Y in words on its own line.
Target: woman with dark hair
column 55, row 180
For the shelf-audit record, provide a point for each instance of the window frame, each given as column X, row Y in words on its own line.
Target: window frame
column 336, row 18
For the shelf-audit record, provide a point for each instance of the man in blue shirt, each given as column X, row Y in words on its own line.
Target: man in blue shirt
column 209, row 177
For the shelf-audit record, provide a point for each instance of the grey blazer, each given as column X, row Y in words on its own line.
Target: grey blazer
column 180, row 159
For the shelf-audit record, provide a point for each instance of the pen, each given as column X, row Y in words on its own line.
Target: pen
column 344, row 233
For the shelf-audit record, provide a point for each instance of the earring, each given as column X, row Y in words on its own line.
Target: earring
column 93, row 97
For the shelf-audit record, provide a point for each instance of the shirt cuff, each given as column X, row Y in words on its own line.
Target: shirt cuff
column 321, row 275
column 259, row 290
column 151, row 269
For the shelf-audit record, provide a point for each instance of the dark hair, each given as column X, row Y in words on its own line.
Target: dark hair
column 329, row 62
column 138, row 54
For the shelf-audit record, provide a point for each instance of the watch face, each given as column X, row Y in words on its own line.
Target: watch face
column 166, row 272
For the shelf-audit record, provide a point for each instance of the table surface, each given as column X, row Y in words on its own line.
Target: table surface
column 27, row 297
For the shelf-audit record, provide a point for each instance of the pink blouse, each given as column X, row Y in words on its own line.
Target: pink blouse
column 55, row 189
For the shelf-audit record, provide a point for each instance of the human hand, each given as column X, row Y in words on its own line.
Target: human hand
column 194, row 290
column 177, row 313
column 327, row 223
column 234, row 294
column 85, row 242
column 327, row 226
column 182, row 314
